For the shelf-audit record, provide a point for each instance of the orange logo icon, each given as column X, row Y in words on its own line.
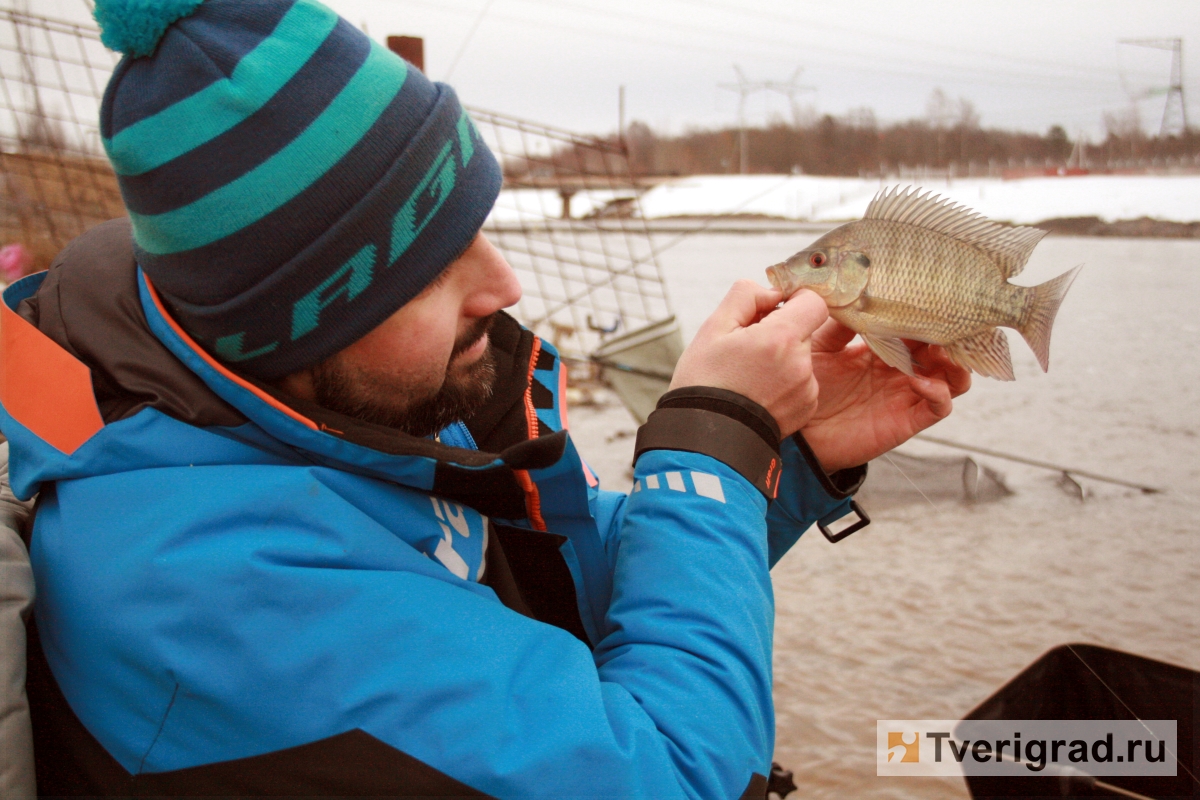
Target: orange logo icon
column 908, row 751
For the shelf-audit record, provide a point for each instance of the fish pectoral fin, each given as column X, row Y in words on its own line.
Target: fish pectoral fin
column 891, row 351
column 985, row 353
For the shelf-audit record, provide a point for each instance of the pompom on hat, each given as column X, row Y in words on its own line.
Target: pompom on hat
column 290, row 182
column 134, row 27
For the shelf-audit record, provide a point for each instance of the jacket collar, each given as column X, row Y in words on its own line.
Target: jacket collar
column 90, row 344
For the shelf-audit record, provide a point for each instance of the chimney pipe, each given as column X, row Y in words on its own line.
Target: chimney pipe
column 410, row 48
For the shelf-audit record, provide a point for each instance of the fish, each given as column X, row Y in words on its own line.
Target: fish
column 920, row 267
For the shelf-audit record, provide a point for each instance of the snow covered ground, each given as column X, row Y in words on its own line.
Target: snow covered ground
column 1021, row 201
column 824, row 199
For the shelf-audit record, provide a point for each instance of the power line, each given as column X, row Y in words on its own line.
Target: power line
column 745, row 87
column 867, row 64
column 810, row 45
column 466, row 41
column 858, row 33
column 863, row 62
column 1175, row 111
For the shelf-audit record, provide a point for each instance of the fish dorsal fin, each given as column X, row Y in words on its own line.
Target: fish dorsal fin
column 1008, row 246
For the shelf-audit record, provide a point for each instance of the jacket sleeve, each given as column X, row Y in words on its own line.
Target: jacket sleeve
column 806, row 494
column 743, row 435
column 690, row 623
column 254, row 624
column 16, row 598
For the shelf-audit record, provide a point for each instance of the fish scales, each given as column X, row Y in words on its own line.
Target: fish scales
column 919, row 267
column 940, row 287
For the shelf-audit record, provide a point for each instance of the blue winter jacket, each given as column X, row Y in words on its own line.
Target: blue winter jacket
column 243, row 594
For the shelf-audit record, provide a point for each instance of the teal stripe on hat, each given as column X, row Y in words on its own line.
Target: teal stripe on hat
column 184, row 126
column 287, row 173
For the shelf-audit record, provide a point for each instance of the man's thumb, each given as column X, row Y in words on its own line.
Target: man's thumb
column 803, row 313
column 745, row 302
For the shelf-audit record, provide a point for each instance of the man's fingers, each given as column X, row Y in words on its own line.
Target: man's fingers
column 958, row 377
column 934, row 392
column 832, row 336
column 936, row 362
column 802, row 314
column 745, row 302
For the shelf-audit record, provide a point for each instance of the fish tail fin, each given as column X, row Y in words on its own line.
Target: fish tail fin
column 1041, row 306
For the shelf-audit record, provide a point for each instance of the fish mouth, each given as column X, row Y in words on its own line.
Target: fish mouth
column 775, row 277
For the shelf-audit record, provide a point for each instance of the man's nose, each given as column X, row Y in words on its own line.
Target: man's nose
column 497, row 284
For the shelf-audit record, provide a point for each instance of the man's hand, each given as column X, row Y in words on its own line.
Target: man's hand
column 751, row 347
column 865, row 407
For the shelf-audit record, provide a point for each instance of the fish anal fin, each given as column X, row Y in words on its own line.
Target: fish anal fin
column 1008, row 246
column 891, row 351
column 985, row 353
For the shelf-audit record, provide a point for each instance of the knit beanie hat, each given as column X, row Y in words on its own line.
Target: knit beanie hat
column 290, row 182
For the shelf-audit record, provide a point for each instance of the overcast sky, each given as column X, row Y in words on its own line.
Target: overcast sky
column 1024, row 64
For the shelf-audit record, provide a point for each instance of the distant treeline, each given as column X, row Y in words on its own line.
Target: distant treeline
column 856, row 145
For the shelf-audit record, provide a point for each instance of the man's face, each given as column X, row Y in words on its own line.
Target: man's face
column 428, row 364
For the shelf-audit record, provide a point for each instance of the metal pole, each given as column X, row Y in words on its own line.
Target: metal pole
column 621, row 114
column 743, row 153
column 1035, row 463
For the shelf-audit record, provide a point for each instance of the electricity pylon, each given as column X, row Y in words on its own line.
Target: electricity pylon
column 1174, row 118
column 745, row 87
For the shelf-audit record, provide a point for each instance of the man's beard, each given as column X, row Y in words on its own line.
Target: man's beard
column 388, row 400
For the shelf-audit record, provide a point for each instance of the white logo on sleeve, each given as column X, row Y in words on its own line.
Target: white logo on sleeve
column 708, row 486
column 703, row 483
column 457, row 550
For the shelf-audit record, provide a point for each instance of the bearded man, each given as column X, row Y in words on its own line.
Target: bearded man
column 309, row 521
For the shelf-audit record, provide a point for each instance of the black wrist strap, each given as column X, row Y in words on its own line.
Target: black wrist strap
column 731, row 404
column 711, row 433
column 840, row 484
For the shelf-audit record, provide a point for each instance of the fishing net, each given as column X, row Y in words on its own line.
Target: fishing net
column 898, row 479
column 55, row 182
column 567, row 218
column 568, row 221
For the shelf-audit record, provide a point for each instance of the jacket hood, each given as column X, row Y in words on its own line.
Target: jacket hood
column 96, row 377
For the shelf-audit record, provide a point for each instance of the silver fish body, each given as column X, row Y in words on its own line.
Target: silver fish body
column 919, row 267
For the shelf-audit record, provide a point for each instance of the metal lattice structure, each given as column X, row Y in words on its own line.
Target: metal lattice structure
column 55, row 182
column 567, row 218
column 569, row 223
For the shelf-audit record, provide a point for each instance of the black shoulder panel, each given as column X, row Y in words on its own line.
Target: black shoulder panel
column 70, row 762
column 89, row 305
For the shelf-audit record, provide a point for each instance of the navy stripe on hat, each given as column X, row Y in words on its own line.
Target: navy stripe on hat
column 289, row 206
column 288, row 172
column 209, row 274
column 219, row 37
column 420, row 217
column 232, row 154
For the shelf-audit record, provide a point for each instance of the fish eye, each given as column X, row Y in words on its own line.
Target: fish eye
column 817, row 259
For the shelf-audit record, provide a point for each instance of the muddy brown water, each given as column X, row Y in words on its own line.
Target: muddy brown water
column 935, row 605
